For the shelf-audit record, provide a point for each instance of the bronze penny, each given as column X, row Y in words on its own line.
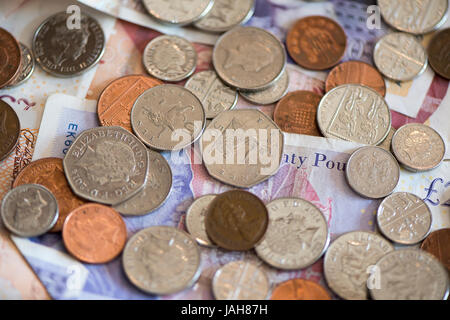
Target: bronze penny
column 49, row 173
column 356, row 72
column 10, row 58
column 9, row 129
column 316, row 43
column 236, row 220
column 299, row 289
column 94, row 233
column 296, row 113
column 438, row 244
column 439, row 53
column 116, row 101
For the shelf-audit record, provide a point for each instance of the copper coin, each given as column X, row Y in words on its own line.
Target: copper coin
column 316, row 43
column 236, row 220
column 116, row 101
column 10, row 58
column 49, row 173
column 439, row 53
column 94, row 233
column 299, row 289
column 9, row 129
column 296, row 113
column 356, row 72
column 438, row 244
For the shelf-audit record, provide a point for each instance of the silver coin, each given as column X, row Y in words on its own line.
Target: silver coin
column 226, row 14
column 404, row 218
column 26, row 66
column 270, row 95
column 386, row 144
column 179, row 12
column 354, row 113
column 161, row 260
column 156, row 190
column 347, row 261
column 417, row 17
column 212, row 92
column 106, row 165
column 233, row 143
column 65, row 52
column 410, row 274
column 29, row 210
column 168, row 117
column 400, row 56
column 249, row 58
column 170, row 58
column 418, row 147
column 240, row 280
column 195, row 219
column 297, row 234
column 372, row 172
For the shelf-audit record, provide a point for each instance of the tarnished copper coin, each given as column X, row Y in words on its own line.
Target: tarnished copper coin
column 117, row 99
column 299, row 289
column 236, row 220
column 316, row 43
column 9, row 129
column 10, row 58
column 49, row 173
column 356, row 72
column 439, row 53
column 94, row 233
column 438, row 244
column 296, row 113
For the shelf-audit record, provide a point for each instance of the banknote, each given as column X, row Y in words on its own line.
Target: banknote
column 440, row 121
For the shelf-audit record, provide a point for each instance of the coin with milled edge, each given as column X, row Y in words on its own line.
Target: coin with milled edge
column 226, row 158
column 168, row 117
column 417, row 17
column 170, row 58
column 372, row 172
column 156, row 189
column 438, row 244
column 347, row 260
column 410, row 274
column 439, row 53
column 67, row 52
column 212, row 92
column 29, row 210
column 404, row 218
column 106, row 165
column 270, row 95
column 195, row 219
column 236, row 220
column 400, row 56
column 418, row 147
column 354, row 113
column 9, row 129
column 297, row 234
column 249, row 58
column 299, row 289
column 10, row 58
column 226, row 14
column 240, row 280
column 161, row 260
column 26, row 67
column 179, row 12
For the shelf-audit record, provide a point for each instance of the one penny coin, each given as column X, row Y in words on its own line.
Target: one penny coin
column 296, row 113
column 439, row 53
column 236, row 220
column 316, row 43
column 10, row 58
column 299, row 289
column 9, row 129
column 116, row 101
column 438, row 244
column 356, row 72
column 94, row 233
column 49, row 173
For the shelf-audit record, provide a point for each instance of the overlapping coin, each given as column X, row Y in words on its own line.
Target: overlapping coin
column 195, row 219
column 9, row 129
column 26, row 67
column 438, row 244
column 270, row 95
column 439, row 53
column 10, row 58
column 179, row 12
column 299, row 289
